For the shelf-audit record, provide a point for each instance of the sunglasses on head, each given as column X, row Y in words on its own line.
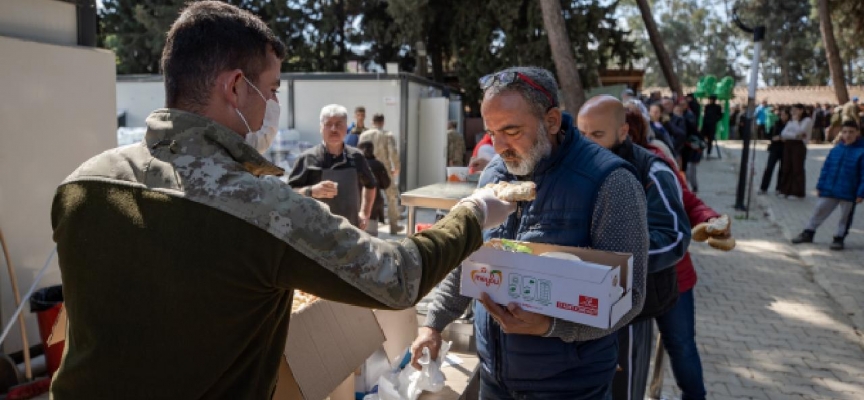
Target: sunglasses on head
column 507, row 77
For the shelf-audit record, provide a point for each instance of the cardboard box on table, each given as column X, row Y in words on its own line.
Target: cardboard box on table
column 595, row 291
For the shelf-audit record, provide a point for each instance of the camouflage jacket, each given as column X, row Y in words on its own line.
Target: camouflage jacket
column 185, row 249
column 455, row 149
column 384, row 144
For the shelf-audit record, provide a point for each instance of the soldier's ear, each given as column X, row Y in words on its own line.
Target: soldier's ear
column 227, row 87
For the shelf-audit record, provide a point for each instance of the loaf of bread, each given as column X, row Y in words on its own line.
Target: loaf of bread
column 514, row 191
column 724, row 244
column 717, row 227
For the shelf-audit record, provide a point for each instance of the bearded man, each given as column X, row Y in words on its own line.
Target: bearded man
column 586, row 197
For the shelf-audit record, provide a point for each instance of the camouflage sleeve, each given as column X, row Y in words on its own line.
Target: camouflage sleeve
column 393, row 151
column 334, row 260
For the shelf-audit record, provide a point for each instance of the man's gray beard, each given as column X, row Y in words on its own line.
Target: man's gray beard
column 541, row 149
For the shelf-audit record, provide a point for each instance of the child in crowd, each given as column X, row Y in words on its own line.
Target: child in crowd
column 841, row 183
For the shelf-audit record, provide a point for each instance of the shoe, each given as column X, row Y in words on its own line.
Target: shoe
column 394, row 230
column 805, row 237
column 837, row 244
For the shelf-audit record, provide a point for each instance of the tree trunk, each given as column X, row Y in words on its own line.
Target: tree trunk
column 562, row 53
column 659, row 48
column 835, row 64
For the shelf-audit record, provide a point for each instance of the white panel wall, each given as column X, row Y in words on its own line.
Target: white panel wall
column 412, row 137
column 379, row 96
column 47, row 21
column 139, row 99
column 432, row 161
column 61, row 114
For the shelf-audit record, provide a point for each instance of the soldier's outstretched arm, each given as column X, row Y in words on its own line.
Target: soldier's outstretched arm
column 328, row 257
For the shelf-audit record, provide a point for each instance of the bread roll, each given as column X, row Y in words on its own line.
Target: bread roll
column 514, row 191
column 724, row 244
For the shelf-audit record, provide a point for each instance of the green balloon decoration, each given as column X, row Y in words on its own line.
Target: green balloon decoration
column 723, row 90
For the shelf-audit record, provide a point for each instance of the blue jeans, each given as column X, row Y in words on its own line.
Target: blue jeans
column 679, row 337
column 491, row 389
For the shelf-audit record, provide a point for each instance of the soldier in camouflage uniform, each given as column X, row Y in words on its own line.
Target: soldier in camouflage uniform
column 455, row 146
column 386, row 151
column 179, row 255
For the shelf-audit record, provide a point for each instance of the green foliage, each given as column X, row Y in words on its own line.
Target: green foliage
column 470, row 38
column 790, row 42
column 478, row 37
column 698, row 39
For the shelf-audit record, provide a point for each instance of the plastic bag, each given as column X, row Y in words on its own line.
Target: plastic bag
column 409, row 383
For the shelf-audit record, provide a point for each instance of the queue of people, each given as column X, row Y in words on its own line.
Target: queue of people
column 205, row 237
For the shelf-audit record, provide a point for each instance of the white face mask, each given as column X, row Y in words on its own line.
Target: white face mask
column 261, row 139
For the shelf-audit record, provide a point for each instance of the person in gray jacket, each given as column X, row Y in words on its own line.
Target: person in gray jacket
column 602, row 119
column 586, row 197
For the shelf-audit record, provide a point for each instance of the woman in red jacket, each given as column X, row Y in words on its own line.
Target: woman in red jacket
column 677, row 325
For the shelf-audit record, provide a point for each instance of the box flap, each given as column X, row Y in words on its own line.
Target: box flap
column 622, row 260
column 326, row 343
column 58, row 332
column 591, row 272
column 400, row 330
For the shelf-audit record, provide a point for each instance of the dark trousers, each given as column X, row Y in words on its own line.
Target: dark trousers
column 774, row 156
column 634, row 359
column 677, row 330
column 793, row 178
column 491, row 389
column 849, row 220
column 760, row 131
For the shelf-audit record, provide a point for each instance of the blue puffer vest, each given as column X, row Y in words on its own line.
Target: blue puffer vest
column 567, row 186
column 841, row 173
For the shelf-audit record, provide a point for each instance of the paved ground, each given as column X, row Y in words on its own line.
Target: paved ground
column 775, row 321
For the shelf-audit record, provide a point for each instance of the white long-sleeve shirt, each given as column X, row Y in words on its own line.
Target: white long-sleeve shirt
column 795, row 130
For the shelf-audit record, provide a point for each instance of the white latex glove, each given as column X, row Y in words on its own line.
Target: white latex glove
column 495, row 211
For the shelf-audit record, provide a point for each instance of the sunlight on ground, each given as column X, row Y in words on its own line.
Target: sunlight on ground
column 807, row 313
column 757, row 246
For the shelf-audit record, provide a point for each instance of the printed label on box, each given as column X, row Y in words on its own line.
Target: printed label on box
column 483, row 278
column 587, row 305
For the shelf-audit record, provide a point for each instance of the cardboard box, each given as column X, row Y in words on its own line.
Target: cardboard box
column 400, row 330
column 326, row 342
column 594, row 291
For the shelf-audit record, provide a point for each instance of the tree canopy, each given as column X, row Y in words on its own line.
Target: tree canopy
column 702, row 40
column 465, row 38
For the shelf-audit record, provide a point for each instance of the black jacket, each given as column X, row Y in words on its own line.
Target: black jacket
column 776, row 146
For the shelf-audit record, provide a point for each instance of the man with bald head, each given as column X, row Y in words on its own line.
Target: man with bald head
column 602, row 119
column 586, row 197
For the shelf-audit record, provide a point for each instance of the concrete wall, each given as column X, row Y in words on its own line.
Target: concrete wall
column 46, row 21
column 59, row 112
column 138, row 99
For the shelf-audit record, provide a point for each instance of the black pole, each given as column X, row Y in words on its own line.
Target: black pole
column 758, row 37
column 87, row 22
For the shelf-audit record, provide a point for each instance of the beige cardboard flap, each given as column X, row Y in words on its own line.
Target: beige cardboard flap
column 400, row 330
column 327, row 341
column 58, row 332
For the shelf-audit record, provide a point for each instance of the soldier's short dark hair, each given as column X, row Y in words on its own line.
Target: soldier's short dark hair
column 850, row 124
column 378, row 118
column 208, row 38
column 360, row 109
